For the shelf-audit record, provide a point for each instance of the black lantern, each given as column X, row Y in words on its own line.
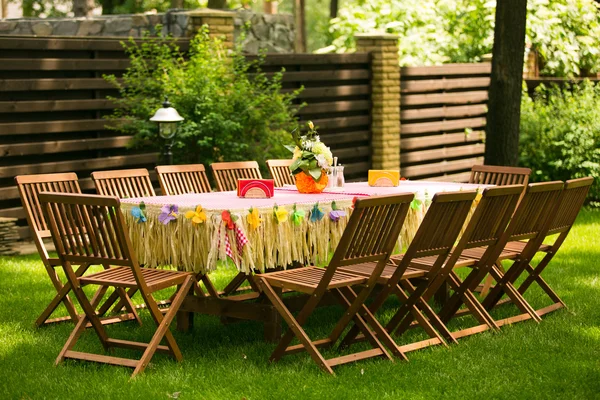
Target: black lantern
column 167, row 118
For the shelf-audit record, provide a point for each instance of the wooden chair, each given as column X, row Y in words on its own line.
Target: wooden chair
column 124, row 183
column 499, row 176
column 527, row 223
column 370, row 236
column 485, row 228
column 559, row 222
column 182, row 179
column 29, row 187
column 280, row 171
column 91, row 229
column 227, row 173
column 432, row 244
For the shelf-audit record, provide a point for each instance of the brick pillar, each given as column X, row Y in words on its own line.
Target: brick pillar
column 385, row 98
column 220, row 24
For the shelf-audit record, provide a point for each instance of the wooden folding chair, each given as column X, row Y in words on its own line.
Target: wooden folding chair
column 182, row 179
column 559, row 221
column 499, row 176
column 29, row 187
column 527, row 223
column 124, row 183
column 91, row 229
column 280, row 171
column 227, row 173
column 485, row 229
column 370, row 236
column 432, row 244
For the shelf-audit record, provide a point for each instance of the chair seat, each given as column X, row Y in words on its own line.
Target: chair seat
column 519, row 245
column 477, row 252
column 425, row 263
column 123, row 277
column 366, row 270
column 306, row 279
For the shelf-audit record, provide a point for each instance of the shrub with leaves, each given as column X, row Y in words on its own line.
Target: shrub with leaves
column 230, row 114
column 560, row 134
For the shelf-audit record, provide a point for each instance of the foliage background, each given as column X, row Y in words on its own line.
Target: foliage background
column 229, row 114
column 560, row 134
column 566, row 33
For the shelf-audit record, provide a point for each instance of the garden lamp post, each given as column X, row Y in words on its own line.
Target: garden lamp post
column 167, row 118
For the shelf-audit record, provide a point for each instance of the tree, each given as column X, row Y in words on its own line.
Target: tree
column 218, row 4
column 300, row 22
column 504, row 105
column 83, row 8
column 333, row 9
column 3, row 8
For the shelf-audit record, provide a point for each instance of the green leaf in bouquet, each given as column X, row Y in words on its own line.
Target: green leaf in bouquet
column 290, row 147
column 315, row 173
column 297, row 164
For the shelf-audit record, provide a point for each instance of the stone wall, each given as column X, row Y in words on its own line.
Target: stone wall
column 275, row 33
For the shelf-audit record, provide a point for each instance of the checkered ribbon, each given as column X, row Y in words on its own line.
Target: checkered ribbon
column 241, row 241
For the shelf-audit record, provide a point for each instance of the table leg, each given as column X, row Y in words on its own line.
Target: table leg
column 273, row 325
column 185, row 321
column 441, row 296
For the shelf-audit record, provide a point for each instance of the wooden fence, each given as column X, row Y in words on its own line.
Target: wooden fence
column 337, row 97
column 443, row 120
column 53, row 99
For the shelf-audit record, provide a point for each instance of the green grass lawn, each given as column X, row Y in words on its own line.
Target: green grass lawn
column 559, row 358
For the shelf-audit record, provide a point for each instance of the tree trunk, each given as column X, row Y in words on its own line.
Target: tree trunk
column 504, row 105
column 333, row 8
column 218, row 4
column 300, row 20
column 3, row 8
column 176, row 3
column 270, row 7
column 83, row 8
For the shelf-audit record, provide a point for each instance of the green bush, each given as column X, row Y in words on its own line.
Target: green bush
column 229, row 115
column 560, row 134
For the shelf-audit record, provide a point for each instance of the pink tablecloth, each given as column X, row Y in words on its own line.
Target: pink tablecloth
column 291, row 226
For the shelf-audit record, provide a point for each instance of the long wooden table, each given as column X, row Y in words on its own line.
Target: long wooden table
column 255, row 235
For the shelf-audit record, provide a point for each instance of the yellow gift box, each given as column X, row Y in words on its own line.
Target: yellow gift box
column 383, row 178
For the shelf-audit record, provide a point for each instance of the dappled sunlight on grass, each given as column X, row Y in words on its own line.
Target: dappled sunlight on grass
column 557, row 358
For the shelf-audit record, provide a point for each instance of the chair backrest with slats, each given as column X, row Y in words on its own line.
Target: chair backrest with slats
column 438, row 231
column 442, row 224
column 182, row 179
column 569, row 204
column 125, row 183
column 29, row 187
column 492, row 215
column 371, row 233
column 534, row 210
column 227, row 173
column 88, row 229
column 499, row 176
column 280, row 171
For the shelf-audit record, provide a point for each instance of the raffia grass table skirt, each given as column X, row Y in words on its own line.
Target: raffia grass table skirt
column 258, row 234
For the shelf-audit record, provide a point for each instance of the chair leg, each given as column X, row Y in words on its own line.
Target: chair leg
column 294, row 327
column 364, row 317
column 81, row 325
column 515, row 296
column 163, row 326
column 61, row 296
column 421, row 307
